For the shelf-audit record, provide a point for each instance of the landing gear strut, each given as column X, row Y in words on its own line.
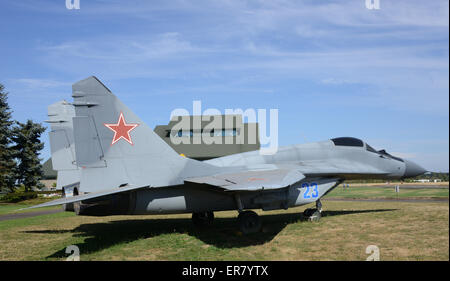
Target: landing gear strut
column 249, row 222
column 314, row 214
column 203, row 218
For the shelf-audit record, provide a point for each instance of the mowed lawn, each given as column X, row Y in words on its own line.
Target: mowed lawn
column 387, row 192
column 11, row 208
column 401, row 230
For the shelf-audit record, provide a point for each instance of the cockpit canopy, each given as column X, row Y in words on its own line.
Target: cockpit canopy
column 348, row 141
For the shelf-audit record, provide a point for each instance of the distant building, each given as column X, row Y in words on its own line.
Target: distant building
column 422, row 180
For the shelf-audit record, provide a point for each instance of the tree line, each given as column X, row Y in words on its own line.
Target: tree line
column 20, row 165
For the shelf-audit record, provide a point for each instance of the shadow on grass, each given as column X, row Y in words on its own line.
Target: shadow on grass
column 222, row 234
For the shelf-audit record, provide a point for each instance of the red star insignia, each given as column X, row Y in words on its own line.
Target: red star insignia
column 121, row 130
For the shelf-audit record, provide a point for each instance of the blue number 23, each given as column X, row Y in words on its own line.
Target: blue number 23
column 308, row 194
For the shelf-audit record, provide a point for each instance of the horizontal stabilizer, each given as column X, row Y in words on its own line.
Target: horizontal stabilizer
column 252, row 180
column 83, row 197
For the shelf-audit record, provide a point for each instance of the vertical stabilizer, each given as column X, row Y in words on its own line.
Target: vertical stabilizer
column 115, row 148
column 62, row 143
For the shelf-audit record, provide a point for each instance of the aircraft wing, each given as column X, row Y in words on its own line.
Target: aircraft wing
column 83, row 197
column 251, row 180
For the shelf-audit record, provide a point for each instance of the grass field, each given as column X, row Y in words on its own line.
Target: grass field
column 7, row 208
column 402, row 231
column 387, row 192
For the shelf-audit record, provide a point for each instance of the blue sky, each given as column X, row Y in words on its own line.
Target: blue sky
column 331, row 68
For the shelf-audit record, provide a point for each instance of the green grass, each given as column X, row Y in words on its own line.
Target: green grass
column 382, row 192
column 9, row 208
column 402, row 231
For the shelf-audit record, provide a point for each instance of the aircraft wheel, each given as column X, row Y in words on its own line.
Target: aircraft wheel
column 315, row 216
column 308, row 212
column 249, row 222
column 68, row 207
column 312, row 214
column 203, row 218
column 77, row 208
column 80, row 208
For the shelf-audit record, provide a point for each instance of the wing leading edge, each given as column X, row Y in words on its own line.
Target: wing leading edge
column 251, row 180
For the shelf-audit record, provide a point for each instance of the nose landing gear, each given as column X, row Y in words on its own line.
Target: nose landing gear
column 314, row 214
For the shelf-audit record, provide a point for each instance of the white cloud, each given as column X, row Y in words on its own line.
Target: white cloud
column 404, row 76
column 122, row 49
column 337, row 81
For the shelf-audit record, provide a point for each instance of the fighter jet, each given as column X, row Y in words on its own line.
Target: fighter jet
column 110, row 162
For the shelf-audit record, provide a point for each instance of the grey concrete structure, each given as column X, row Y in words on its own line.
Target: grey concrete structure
column 231, row 135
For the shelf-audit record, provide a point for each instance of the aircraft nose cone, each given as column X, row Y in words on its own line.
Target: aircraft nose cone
column 412, row 169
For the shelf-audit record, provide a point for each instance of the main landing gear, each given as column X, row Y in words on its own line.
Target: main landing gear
column 203, row 218
column 314, row 214
column 249, row 222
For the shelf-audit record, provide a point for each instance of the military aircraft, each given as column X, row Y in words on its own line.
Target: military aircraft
column 110, row 162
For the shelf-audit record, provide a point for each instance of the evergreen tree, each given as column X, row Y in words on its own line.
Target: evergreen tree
column 7, row 162
column 29, row 170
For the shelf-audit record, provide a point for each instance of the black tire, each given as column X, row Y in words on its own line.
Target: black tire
column 80, row 208
column 77, row 208
column 308, row 212
column 64, row 207
column 70, row 206
column 315, row 216
column 249, row 222
column 312, row 214
column 203, row 218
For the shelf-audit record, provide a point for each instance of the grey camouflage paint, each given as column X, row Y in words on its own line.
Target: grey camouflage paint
column 148, row 176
